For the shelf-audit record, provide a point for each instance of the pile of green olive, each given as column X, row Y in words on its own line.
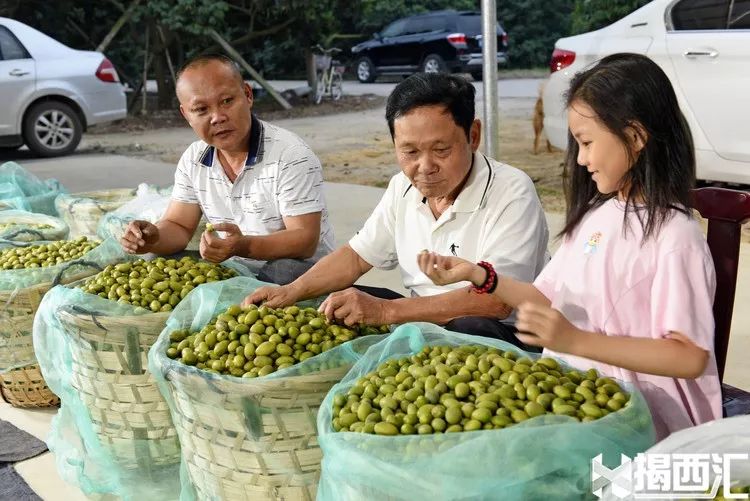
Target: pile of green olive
column 157, row 285
column 254, row 341
column 43, row 255
column 466, row 388
column 733, row 490
column 31, row 226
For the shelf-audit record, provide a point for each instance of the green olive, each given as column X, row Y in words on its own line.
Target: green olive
column 447, row 389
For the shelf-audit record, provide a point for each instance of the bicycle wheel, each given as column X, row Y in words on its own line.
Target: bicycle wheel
column 320, row 87
column 336, row 87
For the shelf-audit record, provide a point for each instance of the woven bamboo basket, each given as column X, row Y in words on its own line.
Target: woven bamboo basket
column 25, row 387
column 245, row 441
column 110, row 374
column 82, row 211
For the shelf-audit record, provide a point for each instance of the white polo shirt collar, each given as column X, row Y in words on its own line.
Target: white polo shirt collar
column 255, row 147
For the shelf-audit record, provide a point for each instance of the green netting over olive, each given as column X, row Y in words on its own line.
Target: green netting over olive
column 247, row 438
column 44, row 254
column 467, row 388
column 22, row 190
column 544, row 456
column 22, row 226
column 159, row 284
column 83, row 211
column 114, row 433
column 252, row 341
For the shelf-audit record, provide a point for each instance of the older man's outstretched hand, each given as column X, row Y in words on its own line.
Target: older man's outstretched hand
column 216, row 249
column 273, row 297
column 444, row 270
column 352, row 306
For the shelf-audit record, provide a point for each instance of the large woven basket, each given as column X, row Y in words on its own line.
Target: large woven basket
column 82, row 211
column 110, row 374
column 251, row 440
column 25, row 387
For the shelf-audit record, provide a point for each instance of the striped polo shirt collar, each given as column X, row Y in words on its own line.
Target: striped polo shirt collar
column 254, row 153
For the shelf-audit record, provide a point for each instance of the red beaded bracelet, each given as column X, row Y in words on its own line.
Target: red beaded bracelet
column 490, row 283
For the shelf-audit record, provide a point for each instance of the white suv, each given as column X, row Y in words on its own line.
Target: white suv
column 51, row 93
column 704, row 48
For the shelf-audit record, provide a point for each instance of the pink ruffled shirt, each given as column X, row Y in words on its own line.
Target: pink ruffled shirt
column 605, row 281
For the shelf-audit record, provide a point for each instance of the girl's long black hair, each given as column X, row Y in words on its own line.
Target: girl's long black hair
column 630, row 90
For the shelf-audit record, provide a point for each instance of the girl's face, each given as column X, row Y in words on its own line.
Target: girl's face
column 601, row 152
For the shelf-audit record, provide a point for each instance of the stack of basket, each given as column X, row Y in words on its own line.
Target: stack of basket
column 24, row 386
column 82, row 211
column 110, row 374
column 251, row 440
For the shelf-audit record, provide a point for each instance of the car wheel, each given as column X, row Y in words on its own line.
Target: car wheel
column 366, row 70
column 434, row 64
column 476, row 75
column 52, row 128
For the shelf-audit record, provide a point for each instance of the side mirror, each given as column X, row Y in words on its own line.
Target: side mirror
column 377, row 36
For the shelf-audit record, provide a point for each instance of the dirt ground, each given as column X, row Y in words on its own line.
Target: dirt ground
column 349, row 136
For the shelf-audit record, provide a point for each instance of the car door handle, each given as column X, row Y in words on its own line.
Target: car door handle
column 18, row 73
column 690, row 54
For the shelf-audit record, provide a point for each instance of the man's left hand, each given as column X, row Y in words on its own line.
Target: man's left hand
column 352, row 306
column 216, row 249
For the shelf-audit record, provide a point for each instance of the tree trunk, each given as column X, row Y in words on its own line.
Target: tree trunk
column 310, row 71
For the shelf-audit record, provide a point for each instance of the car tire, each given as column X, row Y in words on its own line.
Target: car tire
column 52, row 128
column 434, row 64
column 366, row 70
column 477, row 76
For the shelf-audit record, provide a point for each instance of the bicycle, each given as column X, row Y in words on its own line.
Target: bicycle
column 328, row 74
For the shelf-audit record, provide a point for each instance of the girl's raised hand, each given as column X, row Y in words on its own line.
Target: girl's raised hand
column 540, row 325
column 444, row 270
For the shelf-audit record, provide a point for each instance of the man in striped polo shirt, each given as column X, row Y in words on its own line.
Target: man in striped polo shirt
column 259, row 185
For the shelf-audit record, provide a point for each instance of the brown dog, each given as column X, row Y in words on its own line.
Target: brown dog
column 538, row 122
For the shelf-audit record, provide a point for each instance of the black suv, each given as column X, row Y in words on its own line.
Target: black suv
column 444, row 41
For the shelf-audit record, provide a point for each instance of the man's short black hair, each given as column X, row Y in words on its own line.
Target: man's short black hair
column 429, row 89
column 203, row 59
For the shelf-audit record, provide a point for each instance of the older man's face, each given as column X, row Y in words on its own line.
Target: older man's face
column 216, row 104
column 433, row 151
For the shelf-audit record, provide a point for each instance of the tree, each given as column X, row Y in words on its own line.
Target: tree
column 589, row 15
column 533, row 27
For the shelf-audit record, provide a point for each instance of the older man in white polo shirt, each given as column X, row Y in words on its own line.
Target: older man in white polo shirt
column 258, row 184
column 449, row 198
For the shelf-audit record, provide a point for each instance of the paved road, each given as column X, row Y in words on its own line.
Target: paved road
column 513, row 88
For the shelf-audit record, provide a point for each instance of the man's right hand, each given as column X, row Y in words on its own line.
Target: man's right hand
column 139, row 236
column 273, row 297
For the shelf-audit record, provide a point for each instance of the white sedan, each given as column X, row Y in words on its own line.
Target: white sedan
column 51, row 93
column 704, row 48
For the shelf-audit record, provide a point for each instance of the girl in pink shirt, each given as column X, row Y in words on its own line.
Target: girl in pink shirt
column 630, row 290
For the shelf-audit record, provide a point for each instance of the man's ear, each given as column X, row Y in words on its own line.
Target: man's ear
column 637, row 136
column 182, row 112
column 475, row 134
column 248, row 92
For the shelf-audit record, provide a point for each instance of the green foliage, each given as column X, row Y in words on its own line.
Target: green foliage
column 533, row 26
column 589, row 15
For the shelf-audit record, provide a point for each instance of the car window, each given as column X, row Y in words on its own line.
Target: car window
column 426, row 24
column 394, row 29
column 701, row 15
column 10, row 47
column 739, row 17
column 471, row 24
